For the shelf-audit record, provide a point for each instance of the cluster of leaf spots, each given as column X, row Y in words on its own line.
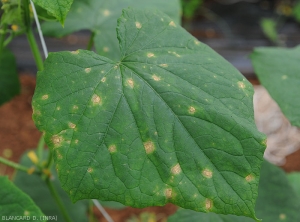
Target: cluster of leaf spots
column 172, row 121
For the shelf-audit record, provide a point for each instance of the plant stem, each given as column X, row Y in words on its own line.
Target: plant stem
column 40, row 149
column 58, row 200
column 2, row 38
column 91, row 41
column 14, row 165
column 31, row 39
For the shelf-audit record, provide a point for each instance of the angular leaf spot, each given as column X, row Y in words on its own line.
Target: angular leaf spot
column 156, row 78
column 103, row 79
column 75, row 107
column 75, row 52
column 106, row 12
column 196, row 42
column 241, row 85
column 168, row 193
column 76, row 141
column 105, row 49
column 90, row 170
column 284, row 77
column 149, row 55
column 96, row 99
column 249, row 178
column 282, row 216
column 176, row 169
column 26, row 213
column 163, row 65
column 138, row 25
column 57, row 140
column 72, row 125
column 149, row 147
column 87, row 70
column 172, row 23
column 192, row 110
column 44, row 97
column 58, row 108
column 208, row 204
column 207, row 173
column 130, row 83
column 112, row 148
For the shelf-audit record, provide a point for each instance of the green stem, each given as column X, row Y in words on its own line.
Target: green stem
column 31, row 39
column 58, row 200
column 91, row 41
column 40, row 149
column 14, row 165
column 91, row 212
column 2, row 38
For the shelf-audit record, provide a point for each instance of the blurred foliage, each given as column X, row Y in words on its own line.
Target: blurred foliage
column 269, row 29
column 190, row 7
column 143, row 217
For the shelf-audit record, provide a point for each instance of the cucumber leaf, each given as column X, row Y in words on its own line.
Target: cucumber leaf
column 278, row 71
column 15, row 204
column 58, row 8
column 100, row 16
column 170, row 122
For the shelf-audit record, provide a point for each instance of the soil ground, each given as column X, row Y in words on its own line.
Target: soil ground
column 18, row 133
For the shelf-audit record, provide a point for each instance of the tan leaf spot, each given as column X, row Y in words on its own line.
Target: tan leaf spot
column 163, row 65
column 57, row 140
column 96, row 99
column 176, row 169
column 196, row 42
column 138, row 25
column 207, row 173
column 106, row 12
column 130, row 83
column 249, row 178
column 72, row 125
column 149, row 147
column 172, row 23
column 156, row 78
column 241, row 85
column 112, row 148
column 284, row 77
column 208, row 204
column 282, row 216
column 26, row 213
column 168, row 193
column 149, row 55
column 44, row 97
column 192, row 110
column 105, row 49
column 89, row 170
column 87, row 70
column 75, row 52
column 103, row 79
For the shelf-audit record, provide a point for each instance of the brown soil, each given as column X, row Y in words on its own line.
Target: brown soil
column 18, row 133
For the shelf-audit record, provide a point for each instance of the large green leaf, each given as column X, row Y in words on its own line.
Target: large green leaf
column 37, row 189
column 171, row 122
column 277, row 201
column 278, row 70
column 100, row 16
column 9, row 80
column 15, row 205
column 58, row 8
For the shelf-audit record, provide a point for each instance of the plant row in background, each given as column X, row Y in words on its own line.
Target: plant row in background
column 152, row 116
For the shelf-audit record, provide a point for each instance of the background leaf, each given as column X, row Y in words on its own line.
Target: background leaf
column 278, row 71
column 277, row 200
column 37, row 189
column 9, row 80
column 58, row 8
column 294, row 179
column 14, row 202
column 100, row 16
column 171, row 122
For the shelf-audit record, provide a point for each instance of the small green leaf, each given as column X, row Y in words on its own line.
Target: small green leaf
column 278, row 71
column 58, row 8
column 100, row 16
column 296, row 11
column 9, row 80
column 269, row 28
column 14, row 202
column 170, row 122
column 277, row 200
column 37, row 189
